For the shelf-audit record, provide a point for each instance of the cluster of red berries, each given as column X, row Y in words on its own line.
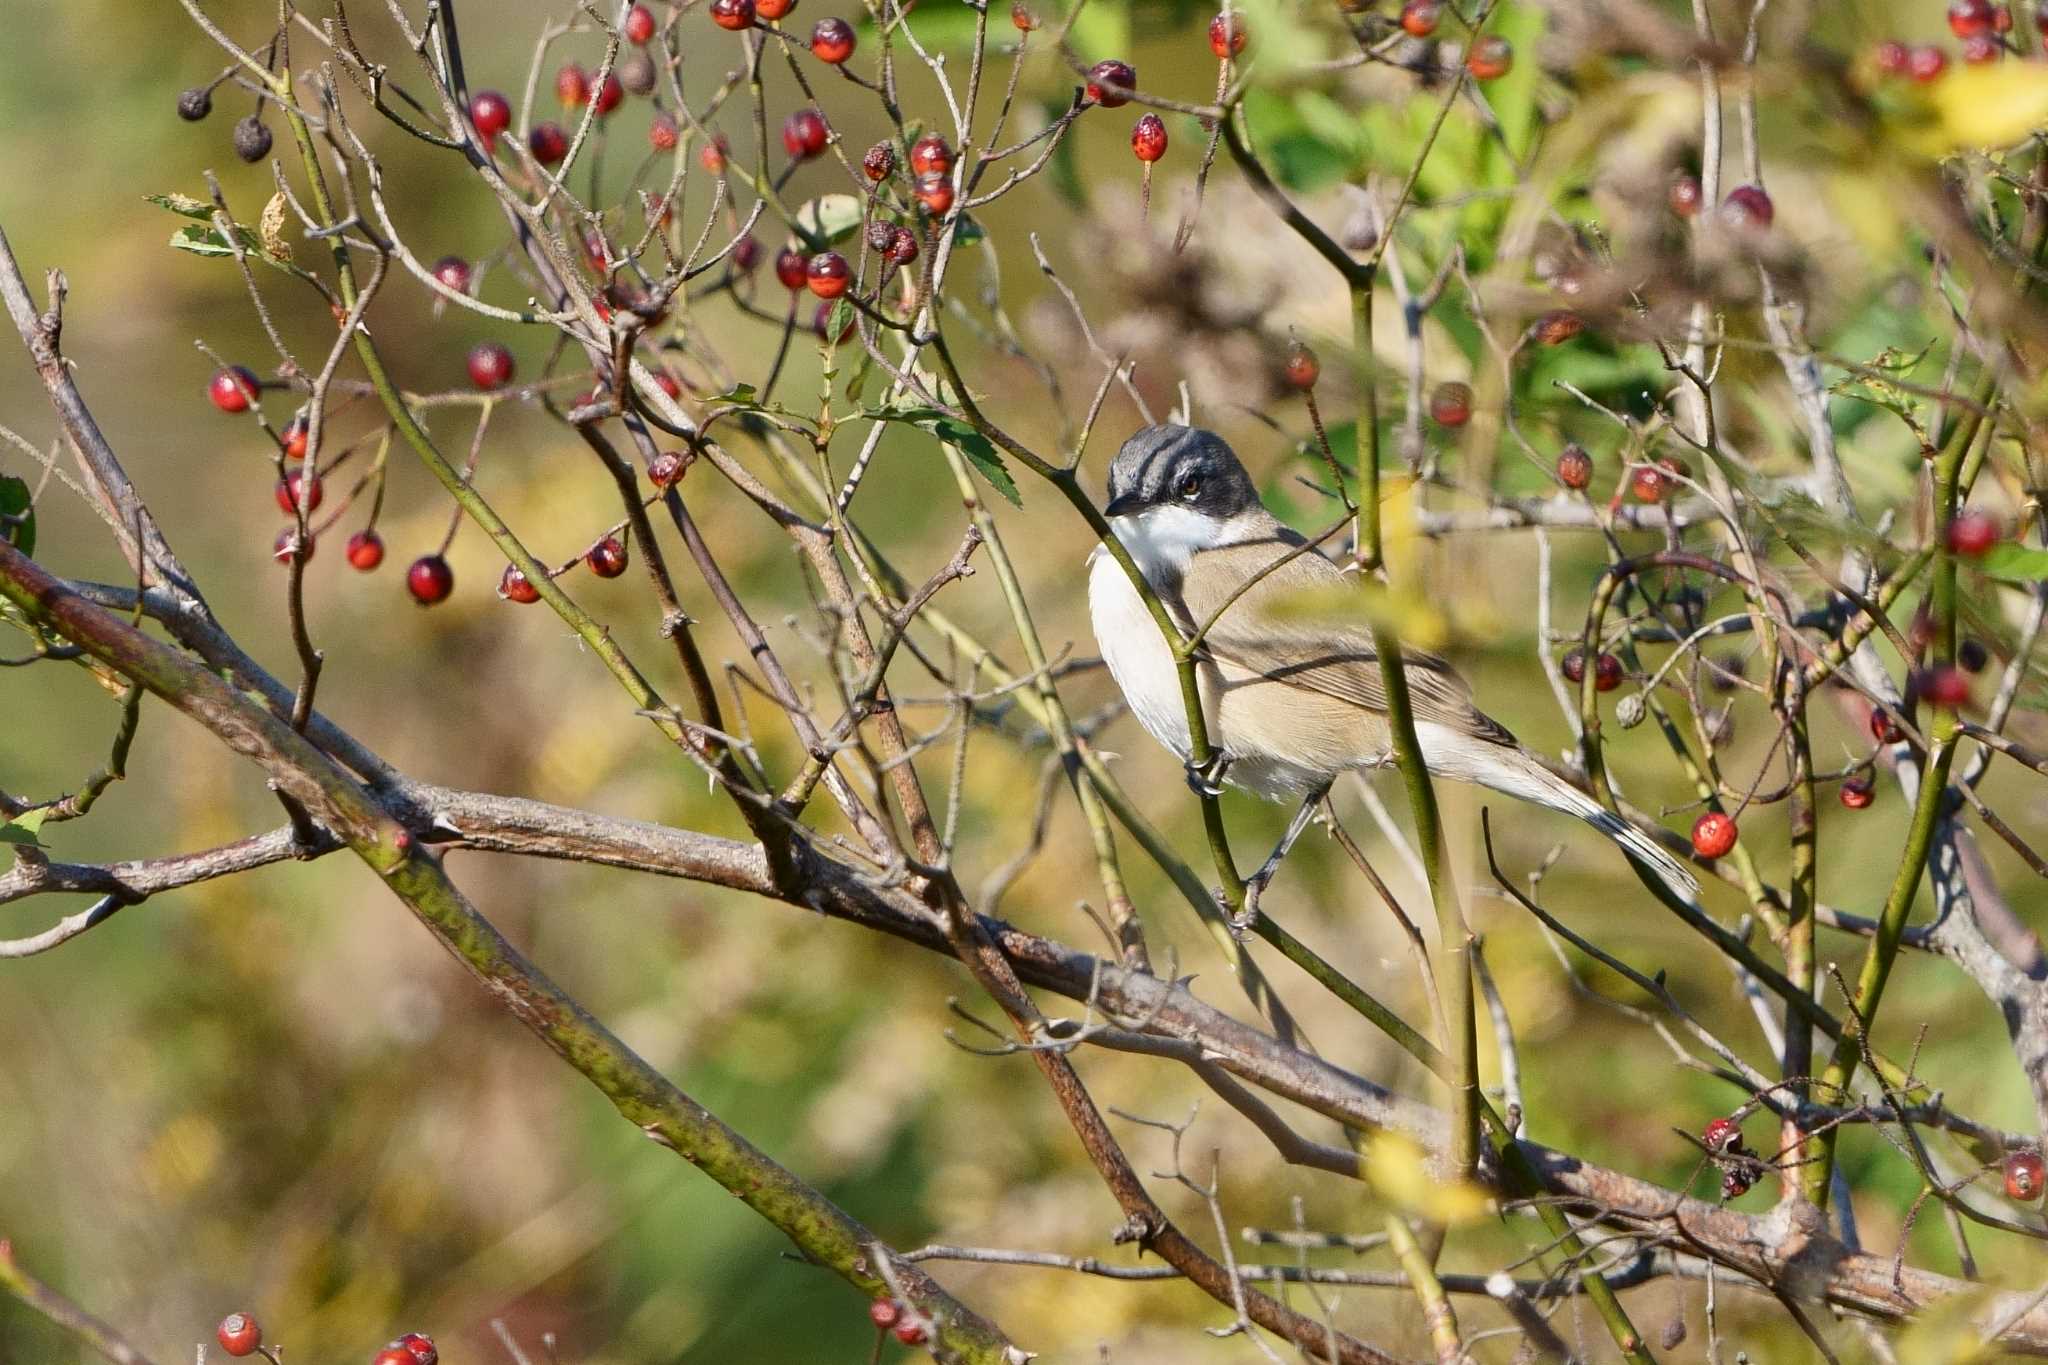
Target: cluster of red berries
column 889, row 1316
column 1739, row 1166
column 1746, row 207
column 606, row 559
column 1981, row 25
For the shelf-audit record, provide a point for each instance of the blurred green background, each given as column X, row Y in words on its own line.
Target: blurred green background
column 274, row 1093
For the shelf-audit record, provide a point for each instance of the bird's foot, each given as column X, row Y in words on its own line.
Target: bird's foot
column 1243, row 920
column 1206, row 779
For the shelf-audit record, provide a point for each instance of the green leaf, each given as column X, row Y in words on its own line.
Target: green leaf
column 840, row 318
column 830, row 217
column 17, row 514
column 184, row 205
column 2010, row 562
column 204, row 241
column 979, row 453
column 22, row 829
column 739, row 395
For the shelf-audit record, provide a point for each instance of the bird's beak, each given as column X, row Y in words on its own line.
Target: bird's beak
column 1123, row 505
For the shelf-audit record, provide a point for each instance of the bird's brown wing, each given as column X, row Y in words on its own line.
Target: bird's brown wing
column 1268, row 631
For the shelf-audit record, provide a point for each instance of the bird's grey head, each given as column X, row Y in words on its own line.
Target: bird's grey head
column 1180, row 467
column 1174, row 491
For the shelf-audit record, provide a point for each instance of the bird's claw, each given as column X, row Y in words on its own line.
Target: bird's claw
column 1242, row 920
column 1206, row 779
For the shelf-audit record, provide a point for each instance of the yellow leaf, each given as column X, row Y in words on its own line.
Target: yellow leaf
column 1984, row 106
column 1399, row 1170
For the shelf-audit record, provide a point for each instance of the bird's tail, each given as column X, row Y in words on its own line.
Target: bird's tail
column 1515, row 772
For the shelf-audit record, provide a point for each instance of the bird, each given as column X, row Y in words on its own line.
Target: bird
column 1291, row 699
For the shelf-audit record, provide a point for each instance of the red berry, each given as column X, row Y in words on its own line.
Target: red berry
column 293, row 487
column 790, row 268
column 711, row 156
column 662, row 135
column 1490, row 58
column 1713, row 834
column 1227, row 35
column 1984, row 47
column 239, row 1335
column 2024, row 1176
column 1106, row 79
column 514, row 586
column 827, row 274
column 935, row 192
column 1649, row 483
column 1748, row 206
column 666, row 382
column 233, row 389
column 607, row 558
column 606, row 96
column 490, row 366
column 1924, row 64
column 879, row 161
column 1021, row 17
column 1300, row 368
column 832, row 40
column 1685, row 196
column 289, row 544
column 429, row 580
column 804, row 134
column 421, row 1347
column 1606, row 673
column 902, row 248
column 365, row 550
column 392, row 1355
column 1943, row 685
column 746, row 254
column 1972, row 533
column 1884, row 727
column 1557, row 327
column 1419, row 17
column 910, row 1333
column 1574, row 467
column 1892, row 57
column 2001, row 19
column 1148, row 138
column 733, row 14
column 1450, row 404
column 297, row 433
column 639, row 25
column 548, row 143
column 1723, row 1137
column 572, row 85
column 491, row 112
column 454, row 273
column 772, row 9
column 665, row 468
column 1970, row 18
column 821, row 322
column 883, row 1313
column 929, row 155
column 1857, row 793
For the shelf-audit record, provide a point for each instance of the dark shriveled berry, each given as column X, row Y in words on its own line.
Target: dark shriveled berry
column 1971, row 656
column 636, row 74
column 251, row 139
column 195, row 104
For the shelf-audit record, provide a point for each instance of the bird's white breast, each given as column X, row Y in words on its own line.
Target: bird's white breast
column 1136, row 653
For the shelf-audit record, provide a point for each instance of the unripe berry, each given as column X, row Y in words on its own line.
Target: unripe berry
column 1686, row 196
column 832, row 40
column 607, row 558
column 790, row 268
column 827, row 274
column 772, row 9
column 1574, row 467
column 251, row 139
column 930, row 155
column 295, row 488
column 239, row 1335
column 1490, row 57
column 1228, row 35
column 1107, row 79
column 1419, row 17
column 639, row 25
column 365, row 550
column 935, row 192
column 195, row 104
column 1857, row 793
column 572, row 85
column 514, row 586
column 2024, row 1176
column 879, row 162
column 429, row 580
column 805, row 133
column 1971, row 534
column 1749, row 207
column 1925, row 64
column 1300, row 368
column 233, row 389
column 548, row 143
column 733, row 14
column 490, row 366
column 1450, row 404
column 1713, row 835
column 491, row 112
column 1148, row 138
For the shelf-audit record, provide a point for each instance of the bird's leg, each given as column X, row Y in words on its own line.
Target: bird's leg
column 1206, row 779
column 1255, row 886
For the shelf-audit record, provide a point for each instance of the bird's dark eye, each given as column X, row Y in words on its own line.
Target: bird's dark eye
column 1190, row 487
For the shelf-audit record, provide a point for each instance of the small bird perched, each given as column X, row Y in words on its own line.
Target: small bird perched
column 1291, row 702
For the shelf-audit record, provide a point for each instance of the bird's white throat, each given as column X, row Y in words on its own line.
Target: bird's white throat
column 1164, row 537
